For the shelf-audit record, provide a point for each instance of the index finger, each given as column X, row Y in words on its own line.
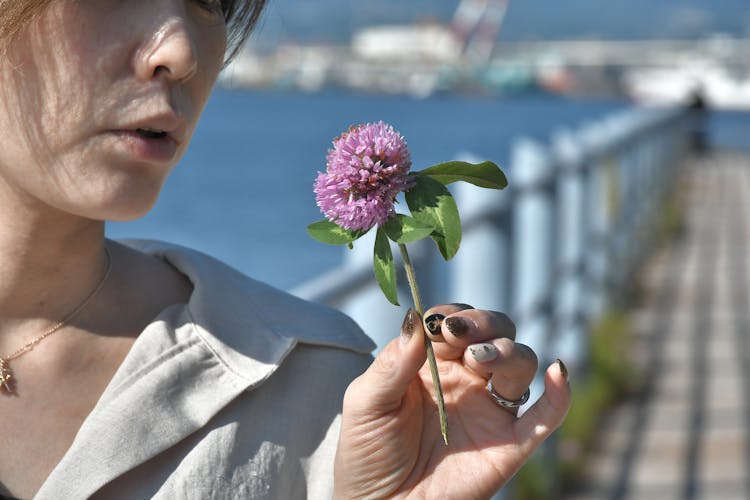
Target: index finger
column 463, row 327
column 434, row 317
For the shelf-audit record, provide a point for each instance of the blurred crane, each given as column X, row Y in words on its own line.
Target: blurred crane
column 476, row 24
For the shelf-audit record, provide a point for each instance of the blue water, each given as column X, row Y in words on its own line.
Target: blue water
column 729, row 130
column 243, row 192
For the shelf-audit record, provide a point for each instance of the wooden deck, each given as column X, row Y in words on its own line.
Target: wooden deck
column 687, row 436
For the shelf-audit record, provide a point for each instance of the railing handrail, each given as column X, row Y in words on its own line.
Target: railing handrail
column 554, row 248
column 597, row 140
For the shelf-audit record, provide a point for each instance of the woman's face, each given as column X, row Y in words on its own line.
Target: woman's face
column 99, row 98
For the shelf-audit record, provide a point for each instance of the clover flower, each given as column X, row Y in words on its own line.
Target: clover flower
column 366, row 170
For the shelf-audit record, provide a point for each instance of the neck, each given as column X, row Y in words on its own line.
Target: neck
column 48, row 266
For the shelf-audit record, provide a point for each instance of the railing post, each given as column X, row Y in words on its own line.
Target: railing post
column 532, row 246
column 379, row 318
column 533, row 258
column 571, row 340
column 597, row 227
column 480, row 271
column 620, row 219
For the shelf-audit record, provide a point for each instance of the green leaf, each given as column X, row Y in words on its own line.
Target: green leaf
column 403, row 229
column 432, row 204
column 333, row 234
column 385, row 270
column 485, row 174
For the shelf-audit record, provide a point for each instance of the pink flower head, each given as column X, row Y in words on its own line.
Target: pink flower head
column 366, row 169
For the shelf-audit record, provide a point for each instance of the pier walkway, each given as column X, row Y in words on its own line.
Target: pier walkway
column 687, row 434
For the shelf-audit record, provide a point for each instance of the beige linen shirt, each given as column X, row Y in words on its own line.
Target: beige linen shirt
column 236, row 394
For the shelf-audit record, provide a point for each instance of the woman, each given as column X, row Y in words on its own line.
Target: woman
column 143, row 369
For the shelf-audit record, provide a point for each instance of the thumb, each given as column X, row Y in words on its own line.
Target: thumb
column 387, row 379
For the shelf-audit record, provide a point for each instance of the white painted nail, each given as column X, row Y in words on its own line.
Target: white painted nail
column 483, row 353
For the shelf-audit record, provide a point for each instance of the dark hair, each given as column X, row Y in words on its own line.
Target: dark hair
column 240, row 15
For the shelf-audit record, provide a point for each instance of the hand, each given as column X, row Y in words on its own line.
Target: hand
column 390, row 443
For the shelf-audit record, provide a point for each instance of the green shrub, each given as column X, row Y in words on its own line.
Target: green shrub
column 607, row 378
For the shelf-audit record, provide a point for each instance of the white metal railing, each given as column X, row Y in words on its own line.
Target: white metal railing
column 550, row 250
column 553, row 248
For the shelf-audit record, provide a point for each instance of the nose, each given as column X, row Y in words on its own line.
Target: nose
column 169, row 52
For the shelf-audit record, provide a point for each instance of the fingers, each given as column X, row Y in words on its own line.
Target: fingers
column 548, row 412
column 384, row 383
column 456, row 326
column 434, row 317
column 510, row 366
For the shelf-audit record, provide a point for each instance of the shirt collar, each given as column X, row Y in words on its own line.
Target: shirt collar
column 189, row 364
column 249, row 321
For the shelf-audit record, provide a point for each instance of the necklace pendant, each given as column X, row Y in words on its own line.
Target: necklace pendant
column 6, row 376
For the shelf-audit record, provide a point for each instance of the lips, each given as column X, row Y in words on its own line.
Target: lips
column 151, row 133
column 154, row 139
column 159, row 126
column 149, row 145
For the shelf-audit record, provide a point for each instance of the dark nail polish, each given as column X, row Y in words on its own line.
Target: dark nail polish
column 433, row 322
column 563, row 369
column 409, row 326
column 457, row 326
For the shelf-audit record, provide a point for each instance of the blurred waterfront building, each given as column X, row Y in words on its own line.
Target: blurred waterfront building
column 464, row 55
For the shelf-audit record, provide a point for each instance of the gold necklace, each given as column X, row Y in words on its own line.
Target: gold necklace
column 6, row 374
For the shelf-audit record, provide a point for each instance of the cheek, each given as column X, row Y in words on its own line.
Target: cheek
column 27, row 120
column 212, row 50
column 199, row 89
column 52, row 82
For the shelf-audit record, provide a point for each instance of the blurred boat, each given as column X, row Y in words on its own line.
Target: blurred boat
column 717, row 86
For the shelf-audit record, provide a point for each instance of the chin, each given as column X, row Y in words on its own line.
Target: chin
column 131, row 209
column 125, row 204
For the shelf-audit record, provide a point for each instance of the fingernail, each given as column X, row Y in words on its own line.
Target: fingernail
column 433, row 322
column 457, row 326
column 483, row 353
column 563, row 369
column 409, row 326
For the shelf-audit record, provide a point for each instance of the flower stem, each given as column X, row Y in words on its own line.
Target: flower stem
column 410, row 276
